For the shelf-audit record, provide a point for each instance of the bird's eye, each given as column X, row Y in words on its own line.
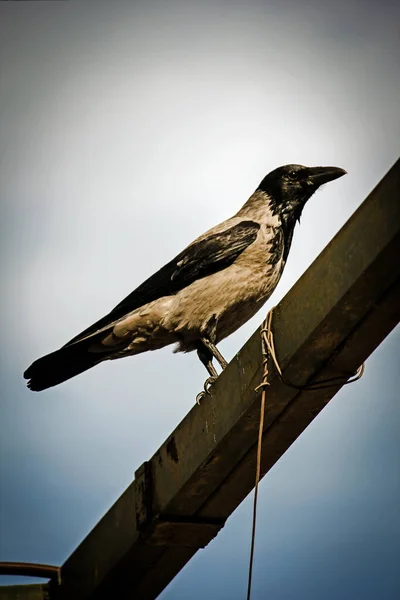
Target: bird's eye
column 293, row 175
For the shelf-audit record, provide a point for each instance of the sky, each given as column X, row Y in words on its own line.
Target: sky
column 126, row 130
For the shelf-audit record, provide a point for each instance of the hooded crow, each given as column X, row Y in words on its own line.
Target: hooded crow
column 206, row 292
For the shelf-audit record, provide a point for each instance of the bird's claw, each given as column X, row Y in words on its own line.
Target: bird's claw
column 207, row 384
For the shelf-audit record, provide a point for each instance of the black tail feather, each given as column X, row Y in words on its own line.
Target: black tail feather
column 61, row 365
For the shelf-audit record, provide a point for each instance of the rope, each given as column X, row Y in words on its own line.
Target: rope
column 265, row 352
column 268, row 340
column 268, row 350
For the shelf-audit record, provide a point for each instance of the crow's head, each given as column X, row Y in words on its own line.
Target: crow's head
column 290, row 187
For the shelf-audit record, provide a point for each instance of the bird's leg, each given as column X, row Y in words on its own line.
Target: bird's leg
column 215, row 352
column 206, row 357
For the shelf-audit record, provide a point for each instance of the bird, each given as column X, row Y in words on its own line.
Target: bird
column 209, row 290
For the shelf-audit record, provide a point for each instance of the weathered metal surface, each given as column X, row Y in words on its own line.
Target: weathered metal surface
column 327, row 325
column 24, row 592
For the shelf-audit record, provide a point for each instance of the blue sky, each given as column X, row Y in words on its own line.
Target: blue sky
column 127, row 129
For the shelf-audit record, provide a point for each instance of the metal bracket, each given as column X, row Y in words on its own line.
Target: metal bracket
column 165, row 530
column 185, row 533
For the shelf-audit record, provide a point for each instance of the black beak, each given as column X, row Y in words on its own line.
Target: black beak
column 320, row 175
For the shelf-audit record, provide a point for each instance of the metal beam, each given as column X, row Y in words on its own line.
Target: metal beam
column 338, row 312
column 28, row 569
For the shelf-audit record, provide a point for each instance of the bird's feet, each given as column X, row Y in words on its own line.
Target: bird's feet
column 207, row 384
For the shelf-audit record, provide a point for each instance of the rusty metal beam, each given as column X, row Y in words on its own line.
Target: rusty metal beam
column 338, row 312
column 29, row 569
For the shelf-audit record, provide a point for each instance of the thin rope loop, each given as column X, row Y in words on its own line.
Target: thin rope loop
column 268, row 339
column 268, row 350
column 264, row 384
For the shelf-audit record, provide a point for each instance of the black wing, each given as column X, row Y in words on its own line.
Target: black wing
column 202, row 258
